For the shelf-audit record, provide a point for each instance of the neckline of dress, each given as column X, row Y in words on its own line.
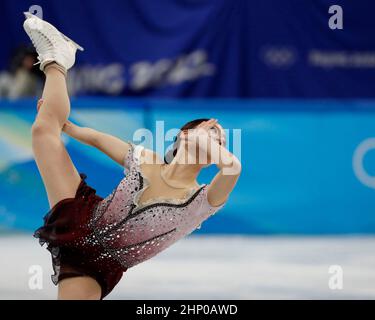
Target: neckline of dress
column 157, row 200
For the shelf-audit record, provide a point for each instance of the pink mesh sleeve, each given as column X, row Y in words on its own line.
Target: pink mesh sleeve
column 128, row 160
column 133, row 156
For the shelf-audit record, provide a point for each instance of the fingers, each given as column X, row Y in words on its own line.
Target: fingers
column 183, row 134
column 204, row 126
column 40, row 102
column 68, row 125
column 65, row 127
column 208, row 124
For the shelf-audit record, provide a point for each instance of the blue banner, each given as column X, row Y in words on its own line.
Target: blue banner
column 210, row 48
column 309, row 172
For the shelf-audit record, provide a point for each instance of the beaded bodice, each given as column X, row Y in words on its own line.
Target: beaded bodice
column 133, row 233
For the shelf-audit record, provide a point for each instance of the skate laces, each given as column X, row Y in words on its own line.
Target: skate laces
column 42, row 44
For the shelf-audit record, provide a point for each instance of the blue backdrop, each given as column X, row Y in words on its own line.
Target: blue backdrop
column 310, row 172
column 210, row 48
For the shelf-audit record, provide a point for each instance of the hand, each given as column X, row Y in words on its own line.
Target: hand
column 40, row 102
column 201, row 136
column 82, row 134
column 202, row 131
column 69, row 128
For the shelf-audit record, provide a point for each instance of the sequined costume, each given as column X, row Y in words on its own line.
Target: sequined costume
column 116, row 233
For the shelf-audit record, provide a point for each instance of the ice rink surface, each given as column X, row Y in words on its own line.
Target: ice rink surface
column 216, row 267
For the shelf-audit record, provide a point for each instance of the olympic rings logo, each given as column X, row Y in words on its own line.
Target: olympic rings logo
column 278, row 57
column 359, row 170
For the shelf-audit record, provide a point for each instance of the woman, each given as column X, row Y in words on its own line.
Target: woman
column 92, row 240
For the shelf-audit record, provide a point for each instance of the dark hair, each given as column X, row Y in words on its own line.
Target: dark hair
column 189, row 125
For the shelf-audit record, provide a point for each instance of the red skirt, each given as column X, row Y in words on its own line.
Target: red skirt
column 65, row 228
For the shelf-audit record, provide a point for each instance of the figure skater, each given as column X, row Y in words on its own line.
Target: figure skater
column 94, row 240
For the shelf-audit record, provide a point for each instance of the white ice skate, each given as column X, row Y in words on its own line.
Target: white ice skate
column 50, row 44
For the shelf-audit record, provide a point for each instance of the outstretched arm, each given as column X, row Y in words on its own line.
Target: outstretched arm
column 112, row 146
